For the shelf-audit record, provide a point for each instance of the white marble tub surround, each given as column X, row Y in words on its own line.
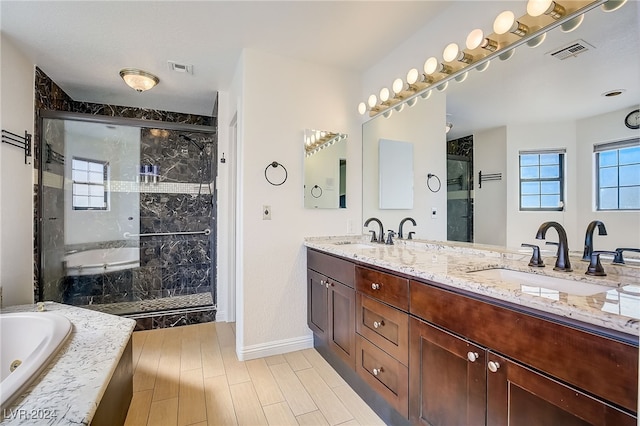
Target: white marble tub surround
column 70, row 388
column 615, row 309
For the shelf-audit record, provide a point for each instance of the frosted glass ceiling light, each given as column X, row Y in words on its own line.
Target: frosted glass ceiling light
column 611, row 5
column 138, row 80
column 477, row 39
column 432, row 66
column 506, row 23
column 453, row 53
column 362, row 108
column 545, row 7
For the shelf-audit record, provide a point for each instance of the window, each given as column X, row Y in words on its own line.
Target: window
column 618, row 175
column 542, row 180
column 90, row 179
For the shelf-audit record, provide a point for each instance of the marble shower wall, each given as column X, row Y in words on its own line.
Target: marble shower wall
column 181, row 201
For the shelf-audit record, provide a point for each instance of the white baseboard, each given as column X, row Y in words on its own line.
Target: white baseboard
column 221, row 316
column 275, row 348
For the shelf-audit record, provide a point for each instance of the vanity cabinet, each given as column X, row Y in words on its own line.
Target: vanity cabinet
column 331, row 303
column 468, row 356
column 442, row 356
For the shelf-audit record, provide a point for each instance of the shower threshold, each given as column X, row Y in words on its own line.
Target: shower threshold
column 142, row 308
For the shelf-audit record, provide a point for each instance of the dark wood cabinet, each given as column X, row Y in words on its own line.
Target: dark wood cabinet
column 447, row 385
column 439, row 356
column 517, row 395
column 317, row 303
column 331, row 304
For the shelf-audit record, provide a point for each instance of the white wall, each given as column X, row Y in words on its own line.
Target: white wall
column 490, row 156
column 16, row 179
column 277, row 100
column 623, row 228
column 523, row 225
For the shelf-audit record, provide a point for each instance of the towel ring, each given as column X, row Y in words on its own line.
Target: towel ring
column 314, row 194
column 429, row 176
column 275, row 164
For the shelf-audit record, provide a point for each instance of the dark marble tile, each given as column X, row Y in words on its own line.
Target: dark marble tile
column 83, row 285
column 186, row 280
column 118, row 286
column 143, row 324
column 157, row 322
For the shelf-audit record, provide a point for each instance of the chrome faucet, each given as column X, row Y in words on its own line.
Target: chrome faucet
column 588, row 238
column 402, row 224
column 562, row 261
column 380, row 238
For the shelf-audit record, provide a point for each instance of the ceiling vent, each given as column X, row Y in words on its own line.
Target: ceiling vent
column 572, row 49
column 183, row 68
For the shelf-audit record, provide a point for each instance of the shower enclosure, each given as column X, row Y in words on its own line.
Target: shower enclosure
column 127, row 216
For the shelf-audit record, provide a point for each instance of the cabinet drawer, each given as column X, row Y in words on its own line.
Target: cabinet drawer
column 384, row 326
column 333, row 267
column 385, row 287
column 386, row 375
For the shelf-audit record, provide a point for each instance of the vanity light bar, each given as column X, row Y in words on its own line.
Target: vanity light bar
column 321, row 140
column 459, row 62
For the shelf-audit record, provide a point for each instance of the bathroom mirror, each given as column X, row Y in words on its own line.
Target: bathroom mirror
column 325, row 169
column 534, row 100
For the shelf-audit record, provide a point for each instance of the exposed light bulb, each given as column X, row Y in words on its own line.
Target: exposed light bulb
column 412, row 76
column 545, row 7
column 611, row 5
column 384, row 95
column 506, row 23
column 372, row 101
column 397, row 86
column 572, row 24
column 362, row 108
column 450, row 53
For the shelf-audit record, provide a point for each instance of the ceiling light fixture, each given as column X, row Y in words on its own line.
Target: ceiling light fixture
column 138, row 80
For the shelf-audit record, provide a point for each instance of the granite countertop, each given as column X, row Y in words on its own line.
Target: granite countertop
column 616, row 308
column 70, row 388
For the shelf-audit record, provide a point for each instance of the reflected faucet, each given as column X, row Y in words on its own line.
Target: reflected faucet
column 381, row 235
column 562, row 261
column 588, row 238
column 402, row 224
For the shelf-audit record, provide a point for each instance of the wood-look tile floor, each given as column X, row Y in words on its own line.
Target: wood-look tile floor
column 190, row 376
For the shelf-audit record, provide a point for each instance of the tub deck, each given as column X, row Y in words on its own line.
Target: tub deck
column 74, row 383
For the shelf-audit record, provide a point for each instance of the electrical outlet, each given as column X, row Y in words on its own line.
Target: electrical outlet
column 434, row 212
column 266, row 212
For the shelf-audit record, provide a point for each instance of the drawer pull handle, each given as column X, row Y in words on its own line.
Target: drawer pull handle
column 375, row 286
column 472, row 356
column 493, row 366
column 377, row 371
column 377, row 324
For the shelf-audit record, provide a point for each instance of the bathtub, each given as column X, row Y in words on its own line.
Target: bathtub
column 99, row 261
column 29, row 339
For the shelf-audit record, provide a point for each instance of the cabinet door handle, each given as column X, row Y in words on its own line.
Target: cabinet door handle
column 377, row 324
column 375, row 286
column 472, row 356
column 493, row 366
column 377, row 371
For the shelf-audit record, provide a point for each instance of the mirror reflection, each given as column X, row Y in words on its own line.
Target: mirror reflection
column 325, row 169
column 533, row 102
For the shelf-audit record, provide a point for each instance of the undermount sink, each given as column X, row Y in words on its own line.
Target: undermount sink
column 354, row 245
column 578, row 288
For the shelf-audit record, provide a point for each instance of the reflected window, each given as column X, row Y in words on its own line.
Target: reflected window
column 618, row 175
column 542, row 180
column 90, row 178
